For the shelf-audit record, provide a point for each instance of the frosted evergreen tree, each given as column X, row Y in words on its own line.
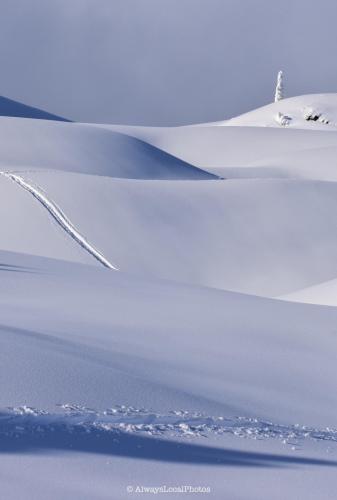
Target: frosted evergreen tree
column 279, row 91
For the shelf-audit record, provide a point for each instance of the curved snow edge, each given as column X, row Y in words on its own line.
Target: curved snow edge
column 60, row 218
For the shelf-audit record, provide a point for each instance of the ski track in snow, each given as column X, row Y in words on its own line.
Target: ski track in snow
column 60, row 218
column 73, row 419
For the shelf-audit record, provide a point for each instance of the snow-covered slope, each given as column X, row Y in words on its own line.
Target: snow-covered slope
column 255, row 144
column 8, row 107
column 323, row 293
column 145, row 301
column 209, row 364
column 80, row 148
column 26, row 227
column 264, row 237
column 149, row 351
column 312, row 112
column 243, row 152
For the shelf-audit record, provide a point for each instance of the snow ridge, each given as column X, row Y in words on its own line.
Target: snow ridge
column 60, row 218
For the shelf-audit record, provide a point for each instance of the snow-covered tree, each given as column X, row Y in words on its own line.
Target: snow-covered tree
column 279, row 91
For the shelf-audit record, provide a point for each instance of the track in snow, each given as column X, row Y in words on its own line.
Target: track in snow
column 60, row 218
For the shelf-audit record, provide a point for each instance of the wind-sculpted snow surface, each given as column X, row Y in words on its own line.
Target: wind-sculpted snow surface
column 257, row 144
column 243, row 235
column 74, row 147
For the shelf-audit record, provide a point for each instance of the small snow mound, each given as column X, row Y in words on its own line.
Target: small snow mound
column 282, row 119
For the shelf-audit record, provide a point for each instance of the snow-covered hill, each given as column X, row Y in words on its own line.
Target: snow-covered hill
column 31, row 144
column 254, row 144
column 312, row 112
column 264, row 237
column 153, row 288
column 208, row 364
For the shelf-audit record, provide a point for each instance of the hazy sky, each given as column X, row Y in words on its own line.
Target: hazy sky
column 163, row 62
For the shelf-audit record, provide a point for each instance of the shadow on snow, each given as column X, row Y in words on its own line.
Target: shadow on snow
column 60, row 438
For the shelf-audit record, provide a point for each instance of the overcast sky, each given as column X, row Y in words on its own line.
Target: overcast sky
column 163, row 62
